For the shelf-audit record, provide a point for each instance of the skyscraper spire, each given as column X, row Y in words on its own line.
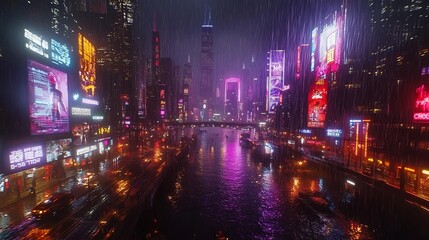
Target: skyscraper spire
column 210, row 17
column 189, row 58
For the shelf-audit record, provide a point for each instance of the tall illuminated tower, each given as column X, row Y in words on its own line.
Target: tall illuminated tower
column 187, row 83
column 154, row 106
column 206, row 94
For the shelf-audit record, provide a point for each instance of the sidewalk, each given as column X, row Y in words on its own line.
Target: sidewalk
column 12, row 197
column 331, row 157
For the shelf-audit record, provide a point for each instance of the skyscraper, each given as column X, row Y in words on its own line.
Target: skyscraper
column 399, row 32
column 154, row 107
column 165, row 86
column 187, row 84
column 116, row 56
column 206, row 93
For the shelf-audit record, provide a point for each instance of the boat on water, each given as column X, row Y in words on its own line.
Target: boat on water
column 316, row 202
column 263, row 151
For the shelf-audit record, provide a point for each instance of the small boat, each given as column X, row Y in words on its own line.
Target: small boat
column 316, row 202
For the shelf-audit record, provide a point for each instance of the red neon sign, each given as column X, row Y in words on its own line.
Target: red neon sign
column 421, row 107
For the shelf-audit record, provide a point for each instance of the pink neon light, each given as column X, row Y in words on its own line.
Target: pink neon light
column 230, row 80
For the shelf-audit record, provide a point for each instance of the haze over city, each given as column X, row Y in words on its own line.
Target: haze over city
column 214, row 119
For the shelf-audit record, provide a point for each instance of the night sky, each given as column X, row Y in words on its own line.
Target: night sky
column 242, row 28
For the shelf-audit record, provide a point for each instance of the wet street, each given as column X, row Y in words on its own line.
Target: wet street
column 223, row 191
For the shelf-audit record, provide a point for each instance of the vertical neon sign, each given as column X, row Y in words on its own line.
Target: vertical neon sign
column 313, row 48
column 87, row 66
column 298, row 63
column 275, row 78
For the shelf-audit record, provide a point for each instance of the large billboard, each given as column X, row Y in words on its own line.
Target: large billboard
column 86, row 66
column 421, row 107
column 58, row 149
column 330, row 45
column 48, row 99
column 23, row 158
column 317, row 103
column 57, row 52
column 275, row 78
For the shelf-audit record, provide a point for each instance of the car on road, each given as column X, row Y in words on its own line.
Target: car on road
column 53, row 205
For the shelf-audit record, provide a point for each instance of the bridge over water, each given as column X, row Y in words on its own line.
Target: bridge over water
column 214, row 124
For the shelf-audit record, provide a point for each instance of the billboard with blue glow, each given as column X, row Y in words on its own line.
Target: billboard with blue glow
column 275, row 78
column 57, row 52
column 313, row 48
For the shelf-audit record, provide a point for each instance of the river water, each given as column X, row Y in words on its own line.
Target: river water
column 222, row 190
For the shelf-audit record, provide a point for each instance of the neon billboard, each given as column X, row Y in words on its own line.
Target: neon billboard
column 86, row 66
column 24, row 158
column 36, row 43
column 48, row 99
column 229, row 85
column 317, row 103
column 58, row 149
column 313, row 48
column 275, row 78
column 421, row 107
column 329, row 45
column 58, row 52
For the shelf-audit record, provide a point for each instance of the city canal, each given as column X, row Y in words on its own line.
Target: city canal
column 223, row 191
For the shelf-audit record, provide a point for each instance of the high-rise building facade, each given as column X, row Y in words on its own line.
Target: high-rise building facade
column 154, row 87
column 232, row 99
column 206, row 93
column 165, row 87
column 186, row 92
column 116, row 55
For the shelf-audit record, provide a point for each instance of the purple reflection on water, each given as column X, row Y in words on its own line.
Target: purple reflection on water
column 270, row 208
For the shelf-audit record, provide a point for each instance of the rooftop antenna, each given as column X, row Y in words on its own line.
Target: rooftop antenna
column 210, row 16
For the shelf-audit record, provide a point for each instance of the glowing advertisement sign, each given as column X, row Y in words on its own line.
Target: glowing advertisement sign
column 162, row 103
column 48, row 99
column 59, row 53
column 90, row 101
column 313, row 48
column 58, row 149
column 36, row 43
column 26, row 158
column 421, row 107
column 330, row 45
column 305, row 131
column 317, row 103
column 334, row 132
column 87, row 66
column 275, row 78
column 86, row 149
column 80, row 111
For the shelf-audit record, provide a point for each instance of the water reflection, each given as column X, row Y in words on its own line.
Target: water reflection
column 223, row 189
column 270, row 210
